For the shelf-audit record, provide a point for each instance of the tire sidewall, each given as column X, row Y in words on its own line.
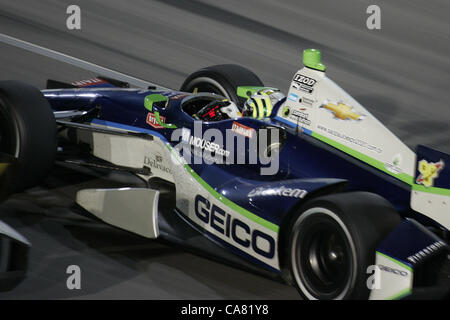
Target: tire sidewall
column 316, row 213
column 34, row 122
column 228, row 77
column 367, row 219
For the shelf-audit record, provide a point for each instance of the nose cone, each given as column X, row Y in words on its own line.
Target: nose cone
column 312, row 58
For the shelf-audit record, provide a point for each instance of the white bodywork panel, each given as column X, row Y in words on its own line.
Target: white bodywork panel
column 132, row 209
column 435, row 206
column 166, row 164
column 119, row 150
column 354, row 128
column 131, row 152
column 188, row 188
column 395, row 280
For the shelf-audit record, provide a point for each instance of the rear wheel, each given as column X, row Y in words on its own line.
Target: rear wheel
column 27, row 136
column 333, row 241
column 222, row 80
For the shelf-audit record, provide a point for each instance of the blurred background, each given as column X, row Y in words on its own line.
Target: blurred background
column 401, row 73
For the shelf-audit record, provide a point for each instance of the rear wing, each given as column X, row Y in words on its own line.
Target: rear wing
column 431, row 188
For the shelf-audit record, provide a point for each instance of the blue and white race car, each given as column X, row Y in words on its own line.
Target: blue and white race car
column 309, row 188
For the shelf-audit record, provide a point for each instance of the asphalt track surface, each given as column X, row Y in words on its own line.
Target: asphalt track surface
column 401, row 73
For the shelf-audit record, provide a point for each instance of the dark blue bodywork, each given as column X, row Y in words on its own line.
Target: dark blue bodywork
column 305, row 162
column 301, row 157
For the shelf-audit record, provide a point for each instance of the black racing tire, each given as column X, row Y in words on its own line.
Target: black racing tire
column 333, row 241
column 27, row 134
column 223, row 80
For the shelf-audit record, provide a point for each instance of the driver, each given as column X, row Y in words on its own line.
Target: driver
column 260, row 104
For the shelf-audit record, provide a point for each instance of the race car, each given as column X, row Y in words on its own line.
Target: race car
column 308, row 187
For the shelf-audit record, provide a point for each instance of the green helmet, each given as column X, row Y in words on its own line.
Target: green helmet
column 260, row 104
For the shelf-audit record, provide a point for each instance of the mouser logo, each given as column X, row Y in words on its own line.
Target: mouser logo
column 206, row 145
column 235, row 230
column 281, row 192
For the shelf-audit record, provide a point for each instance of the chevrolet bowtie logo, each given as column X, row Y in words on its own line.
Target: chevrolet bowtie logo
column 429, row 172
column 342, row 111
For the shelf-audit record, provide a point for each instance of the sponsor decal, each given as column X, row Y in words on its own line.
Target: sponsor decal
column 151, row 120
column 301, row 117
column 286, row 112
column 422, row 254
column 235, row 230
column 428, row 172
column 185, row 134
column 87, row 83
column 394, row 166
column 281, row 192
column 293, row 97
column 303, row 83
column 393, row 270
column 206, row 145
column 242, row 130
column 307, row 101
column 156, row 163
column 351, row 140
column 342, row 111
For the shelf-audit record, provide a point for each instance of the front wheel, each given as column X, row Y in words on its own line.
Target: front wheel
column 333, row 241
column 222, row 80
column 27, row 137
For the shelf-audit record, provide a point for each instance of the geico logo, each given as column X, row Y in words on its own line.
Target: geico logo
column 208, row 146
column 392, row 270
column 233, row 228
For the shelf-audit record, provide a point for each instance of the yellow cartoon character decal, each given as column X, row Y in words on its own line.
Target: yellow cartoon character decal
column 428, row 172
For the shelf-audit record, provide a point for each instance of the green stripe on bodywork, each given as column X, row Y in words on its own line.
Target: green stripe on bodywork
column 267, row 224
column 400, row 295
column 433, row 190
column 369, row 160
column 401, row 264
column 148, row 104
column 153, row 98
